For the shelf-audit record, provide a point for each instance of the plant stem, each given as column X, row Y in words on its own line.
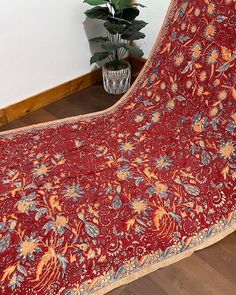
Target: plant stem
column 116, row 59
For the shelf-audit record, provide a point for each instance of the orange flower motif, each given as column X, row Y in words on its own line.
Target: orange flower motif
column 179, row 59
column 163, row 86
column 139, row 118
column 227, row 150
column 193, row 29
column 214, row 112
column 213, row 56
column 27, row 247
column 138, row 206
column 61, row 221
column 41, row 170
column 216, row 82
column 196, row 50
column 127, row 147
column 170, row 105
column 197, row 12
column 199, row 125
column 226, row 54
column 210, row 32
column 211, row 8
column 54, row 202
column 222, row 95
column 200, row 91
column 183, row 26
column 123, row 175
column 203, row 76
column 157, row 98
column 174, row 87
column 189, row 84
column 161, row 188
column 155, row 117
column 163, row 163
column 24, row 206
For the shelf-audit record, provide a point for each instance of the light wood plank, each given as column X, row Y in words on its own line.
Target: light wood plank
column 3, row 119
column 38, row 116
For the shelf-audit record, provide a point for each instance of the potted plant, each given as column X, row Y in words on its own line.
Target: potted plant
column 122, row 29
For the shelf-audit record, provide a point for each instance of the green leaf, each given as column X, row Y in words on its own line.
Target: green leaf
column 115, row 3
column 132, row 31
column 136, row 26
column 95, row 2
column 98, row 13
column 129, row 14
column 118, row 20
column 111, row 46
column 124, row 4
column 98, row 56
column 133, row 36
column 113, row 28
column 134, row 50
column 99, row 39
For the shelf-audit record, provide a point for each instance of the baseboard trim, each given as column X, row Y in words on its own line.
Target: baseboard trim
column 20, row 109
column 40, row 100
column 3, row 118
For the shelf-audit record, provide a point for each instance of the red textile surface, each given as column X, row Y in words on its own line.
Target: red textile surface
column 87, row 201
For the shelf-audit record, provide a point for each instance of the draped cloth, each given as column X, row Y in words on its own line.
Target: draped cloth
column 92, row 202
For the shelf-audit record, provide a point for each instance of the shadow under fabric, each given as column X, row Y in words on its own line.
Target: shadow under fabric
column 93, row 202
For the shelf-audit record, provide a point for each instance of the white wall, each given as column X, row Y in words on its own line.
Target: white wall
column 154, row 15
column 44, row 43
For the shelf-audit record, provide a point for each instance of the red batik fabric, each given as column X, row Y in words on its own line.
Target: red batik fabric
column 91, row 202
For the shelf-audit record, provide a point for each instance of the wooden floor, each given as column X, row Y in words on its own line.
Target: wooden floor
column 92, row 99
column 208, row 272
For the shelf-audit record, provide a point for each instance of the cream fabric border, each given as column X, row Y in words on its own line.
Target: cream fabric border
column 141, row 273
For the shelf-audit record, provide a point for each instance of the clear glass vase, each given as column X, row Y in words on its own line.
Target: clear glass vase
column 116, row 81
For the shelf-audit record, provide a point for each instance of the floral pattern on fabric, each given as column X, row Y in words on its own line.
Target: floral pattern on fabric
column 90, row 200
